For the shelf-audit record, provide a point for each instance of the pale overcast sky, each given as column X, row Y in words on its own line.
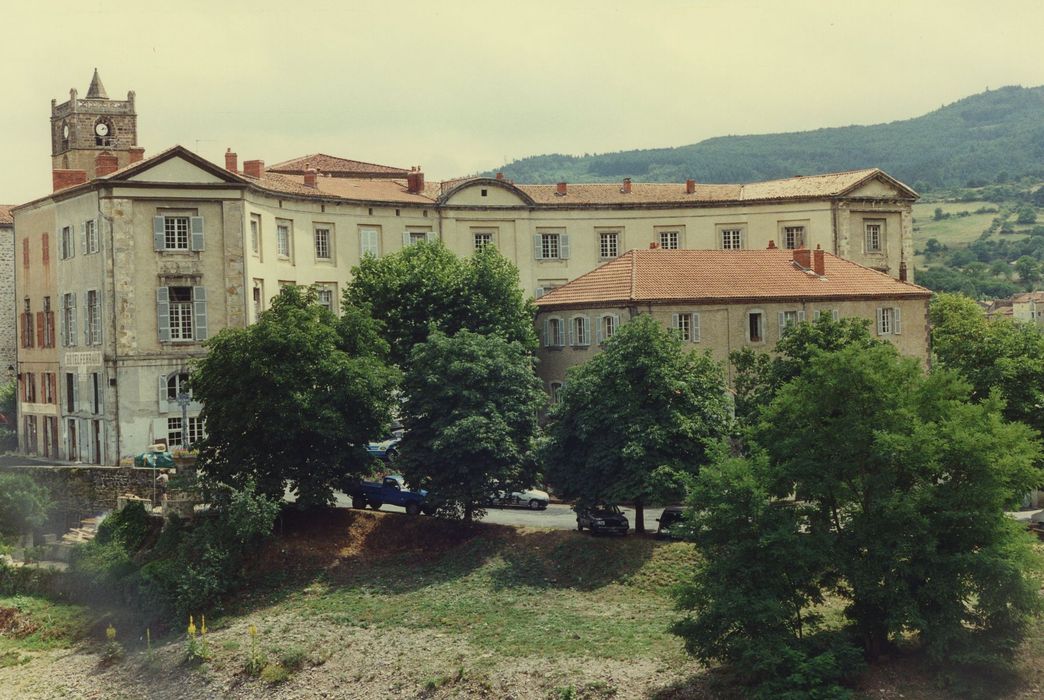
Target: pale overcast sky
column 459, row 87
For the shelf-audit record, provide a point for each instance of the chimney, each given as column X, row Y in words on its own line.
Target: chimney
column 626, row 189
column 902, row 271
column 500, row 176
column 819, row 262
column 105, row 163
column 62, row 179
column 654, row 245
column 254, row 168
column 231, row 161
column 690, row 186
column 772, row 245
column 561, row 189
column 137, row 154
column 415, row 182
column 309, row 178
column 803, row 257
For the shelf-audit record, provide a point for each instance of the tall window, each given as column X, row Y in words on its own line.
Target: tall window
column 255, row 235
column 731, row 238
column 71, row 392
column 45, row 244
column 68, row 244
column 669, row 240
column 369, row 242
column 793, row 237
column 325, row 297
column 556, row 391
column 283, row 240
column 554, row 333
column 95, row 393
column 90, row 236
column 756, row 327
column 258, row 296
column 29, row 387
column 607, row 327
column 178, row 384
column 322, row 244
column 48, row 324
column 68, row 320
column 580, row 331
column 683, row 326
column 483, row 239
column 93, row 318
column 608, row 244
column 873, row 229
column 176, row 434
column 888, row 321
column 550, row 246
column 27, row 325
column 181, row 313
column 176, row 232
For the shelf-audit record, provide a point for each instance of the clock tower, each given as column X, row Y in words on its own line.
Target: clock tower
column 94, row 134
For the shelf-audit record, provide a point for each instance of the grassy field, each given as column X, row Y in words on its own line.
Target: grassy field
column 953, row 231
column 30, row 624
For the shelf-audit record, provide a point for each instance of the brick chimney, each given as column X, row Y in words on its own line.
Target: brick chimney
column 819, row 261
column 63, row 179
column 654, row 245
column 803, row 257
column 105, row 163
column 902, row 271
column 137, row 154
column 772, row 245
column 415, row 182
column 626, row 189
column 309, row 178
column 500, row 176
column 561, row 189
column 231, row 161
column 690, row 186
column 254, row 168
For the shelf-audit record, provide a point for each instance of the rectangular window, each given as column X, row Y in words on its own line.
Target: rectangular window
column 29, row 424
column 669, row 240
column 29, row 386
column 483, row 239
column 789, row 318
column 258, row 298
column 793, row 237
column 731, row 238
column 255, row 234
column 95, row 393
column 874, row 234
column 554, row 333
column 93, row 329
column 71, row 392
column 283, row 239
column 370, row 242
column 68, row 320
column 176, row 435
column 181, row 313
column 48, row 324
column 27, row 325
column 549, row 246
column 607, row 327
column 45, row 244
column 608, row 244
column 418, row 236
column 25, row 253
column 756, row 327
column 90, row 236
column 889, row 321
column 683, row 326
column 68, row 243
column 580, row 331
column 322, row 244
column 176, row 233
column 325, row 294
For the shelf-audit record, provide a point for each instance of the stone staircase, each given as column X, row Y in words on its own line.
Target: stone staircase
column 55, row 553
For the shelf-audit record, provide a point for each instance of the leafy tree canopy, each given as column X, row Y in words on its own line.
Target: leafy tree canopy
column 293, row 399
column 471, row 418
column 425, row 287
column 24, row 504
column 636, row 418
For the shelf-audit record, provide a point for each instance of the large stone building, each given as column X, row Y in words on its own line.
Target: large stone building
column 8, row 335
column 131, row 267
column 723, row 301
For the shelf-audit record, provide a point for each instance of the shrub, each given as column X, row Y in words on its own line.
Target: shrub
column 24, row 504
column 129, row 528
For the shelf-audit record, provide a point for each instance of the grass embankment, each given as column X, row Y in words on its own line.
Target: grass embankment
column 30, row 624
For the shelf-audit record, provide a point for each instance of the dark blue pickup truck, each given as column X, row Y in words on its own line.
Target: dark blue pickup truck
column 392, row 490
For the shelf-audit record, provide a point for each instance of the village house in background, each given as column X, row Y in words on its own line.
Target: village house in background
column 723, row 301
column 131, row 263
column 8, row 334
column 1027, row 307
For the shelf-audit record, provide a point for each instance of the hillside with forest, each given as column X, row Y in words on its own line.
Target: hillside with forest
column 993, row 136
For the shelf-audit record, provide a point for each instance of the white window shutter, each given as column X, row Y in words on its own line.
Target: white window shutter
column 833, row 314
column 86, row 393
column 405, row 238
column 430, row 237
column 695, row 328
column 598, row 329
column 572, row 331
column 72, row 320
column 897, row 324
column 782, row 322
column 547, row 332
column 563, row 246
column 538, row 293
column 538, row 247
column 587, row 330
column 163, row 313
column 83, row 237
column 164, row 405
column 199, row 312
column 880, row 321
column 159, row 240
column 675, row 321
column 801, row 316
column 196, row 223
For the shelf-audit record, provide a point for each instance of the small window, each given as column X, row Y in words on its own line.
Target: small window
column 793, row 237
column 607, row 326
column 90, row 236
column 756, row 327
column 258, row 298
column 580, row 331
column 556, row 392
column 874, row 231
column 176, row 232
column 549, row 245
column 484, row 192
column 669, row 240
column 483, row 239
column 255, row 234
column 608, row 244
column 93, row 329
column 68, row 249
column 283, row 240
column 181, row 313
column 889, row 321
column 325, row 297
column 322, row 244
column 683, row 326
column 554, row 333
column 731, row 238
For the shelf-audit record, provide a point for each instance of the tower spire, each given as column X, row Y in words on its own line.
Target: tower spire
column 96, row 91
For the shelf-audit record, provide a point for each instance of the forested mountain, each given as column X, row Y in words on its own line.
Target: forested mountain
column 997, row 133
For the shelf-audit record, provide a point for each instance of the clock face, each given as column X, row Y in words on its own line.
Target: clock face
column 65, row 131
column 101, row 128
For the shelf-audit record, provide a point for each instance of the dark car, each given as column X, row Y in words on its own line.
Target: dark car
column 671, row 517
column 602, row 517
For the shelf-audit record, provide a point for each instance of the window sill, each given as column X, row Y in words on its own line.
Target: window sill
column 552, row 260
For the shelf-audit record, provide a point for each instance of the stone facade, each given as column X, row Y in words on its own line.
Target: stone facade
column 8, row 319
column 93, row 131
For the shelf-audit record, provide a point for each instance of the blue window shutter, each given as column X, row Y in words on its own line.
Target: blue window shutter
column 159, row 239
column 164, row 405
column 598, row 329
column 538, row 247
column 880, row 321
column 547, row 332
column 163, row 313
column 572, row 332
column 563, row 246
column 199, row 310
column 83, row 237
column 196, row 223
column 695, row 328
column 72, row 320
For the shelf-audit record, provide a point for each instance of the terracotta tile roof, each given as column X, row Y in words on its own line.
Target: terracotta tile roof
column 801, row 187
column 1028, row 296
column 338, row 167
column 720, row 276
column 6, row 217
column 354, row 189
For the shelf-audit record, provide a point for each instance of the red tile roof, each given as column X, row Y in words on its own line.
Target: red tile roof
column 722, row 276
column 338, row 167
column 391, row 191
column 6, row 217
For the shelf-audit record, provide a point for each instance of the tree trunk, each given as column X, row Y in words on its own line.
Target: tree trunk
column 469, row 508
column 639, row 516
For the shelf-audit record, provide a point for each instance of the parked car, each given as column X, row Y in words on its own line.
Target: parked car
column 392, row 489
column 602, row 517
column 534, row 499
column 386, row 449
column 671, row 517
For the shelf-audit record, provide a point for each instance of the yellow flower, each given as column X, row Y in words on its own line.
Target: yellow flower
column 192, row 627
column 252, row 630
column 110, row 633
column 203, row 623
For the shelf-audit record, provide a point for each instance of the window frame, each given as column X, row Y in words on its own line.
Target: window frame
column 579, row 331
column 613, row 327
column 284, row 239
column 68, row 243
column 676, row 233
column 761, row 339
column 738, row 241
column 365, row 249
column 604, row 236
column 487, row 235
column 558, row 323
column 91, row 242
column 318, row 242
column 255, row 235
column 184, row 318
column 787, row 227
column 171, row 232
column 880, row 224
column 92, row 318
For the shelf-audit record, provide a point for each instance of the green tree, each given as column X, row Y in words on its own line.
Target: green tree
column 993, row 355
column 286, row 402
column 426, row 287
column 1028, row 270
column 1027, row 215
column 471, row 418
column 8, row 407
column 24, row 504
column 939, row 214
column 636, row 418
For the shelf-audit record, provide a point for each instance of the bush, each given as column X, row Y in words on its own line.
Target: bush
column 129, row 528
column 24, row 504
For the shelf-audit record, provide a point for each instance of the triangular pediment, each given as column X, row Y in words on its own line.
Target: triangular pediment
column 880, row 186
column 175, row 170
column 176, row 165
